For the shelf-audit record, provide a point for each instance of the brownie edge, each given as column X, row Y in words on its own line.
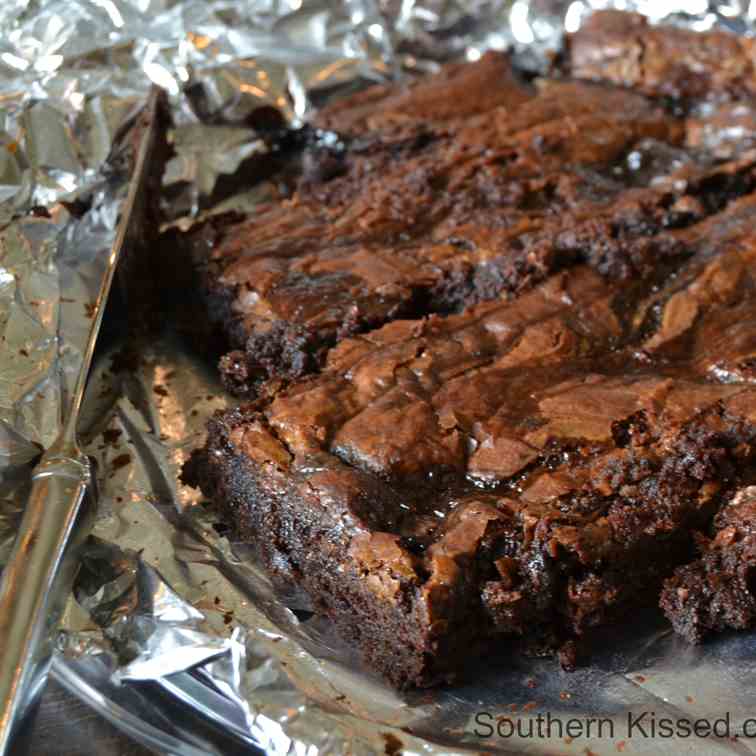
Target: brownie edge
column 313, row 541
column 667, row 61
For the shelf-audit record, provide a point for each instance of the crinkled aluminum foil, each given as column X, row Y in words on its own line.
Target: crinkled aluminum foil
column 162, row 595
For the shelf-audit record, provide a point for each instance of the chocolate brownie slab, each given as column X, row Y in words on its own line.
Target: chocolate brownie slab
column 531, row 467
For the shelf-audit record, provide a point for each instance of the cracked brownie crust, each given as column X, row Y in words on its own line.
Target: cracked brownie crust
column 513, row 346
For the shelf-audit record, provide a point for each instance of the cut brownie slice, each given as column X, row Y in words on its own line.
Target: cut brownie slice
column 718, row 592
column 530, row 467
column 623, row 48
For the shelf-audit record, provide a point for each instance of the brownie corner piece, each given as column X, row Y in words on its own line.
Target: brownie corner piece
column 318, row 532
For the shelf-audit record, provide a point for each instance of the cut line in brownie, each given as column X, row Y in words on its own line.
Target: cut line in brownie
column 430, row 216
column 532, row 467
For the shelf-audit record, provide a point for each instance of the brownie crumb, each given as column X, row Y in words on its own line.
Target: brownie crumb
column 568, row 656
column 122, row 460
column 394, row 746
column 111, row 435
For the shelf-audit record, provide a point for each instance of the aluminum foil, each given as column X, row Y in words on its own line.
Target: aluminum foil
column 163, row 596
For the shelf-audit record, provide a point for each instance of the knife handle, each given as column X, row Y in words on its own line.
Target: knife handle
column 38, row 577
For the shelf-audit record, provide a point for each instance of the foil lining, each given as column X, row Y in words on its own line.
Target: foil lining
column 162, row 594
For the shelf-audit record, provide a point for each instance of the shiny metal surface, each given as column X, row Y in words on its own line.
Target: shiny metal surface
column 165, row 719
column 65, row 725
column 38, row 576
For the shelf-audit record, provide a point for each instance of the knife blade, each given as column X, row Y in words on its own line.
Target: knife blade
column 60, row 509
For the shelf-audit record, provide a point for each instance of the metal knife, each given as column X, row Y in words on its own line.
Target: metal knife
column 39, row 575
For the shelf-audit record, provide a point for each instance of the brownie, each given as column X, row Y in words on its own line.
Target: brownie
column 458, row 91
column 430, row 216
column 500, row 351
